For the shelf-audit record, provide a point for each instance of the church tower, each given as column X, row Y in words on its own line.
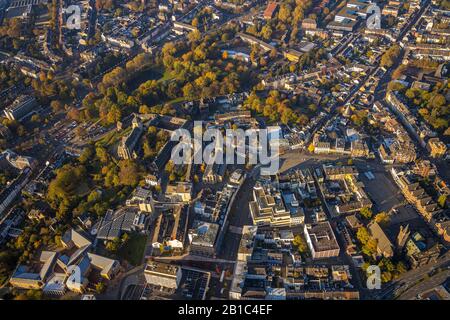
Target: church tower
column 402, row 237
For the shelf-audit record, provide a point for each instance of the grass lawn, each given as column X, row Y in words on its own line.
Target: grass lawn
column 177, row 100
column 83, row 189
column 166, row 76
column 133, row 249
column 112, row 137
column 146, row 74
column 107, row 140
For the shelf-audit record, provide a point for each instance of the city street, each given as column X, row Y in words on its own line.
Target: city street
column 239, row 216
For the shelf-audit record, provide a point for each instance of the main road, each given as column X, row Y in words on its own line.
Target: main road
column 405, row 282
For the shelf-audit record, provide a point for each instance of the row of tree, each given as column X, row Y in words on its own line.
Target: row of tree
column 276, row 107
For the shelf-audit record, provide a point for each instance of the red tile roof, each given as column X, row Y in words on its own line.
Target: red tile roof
column 270, row 10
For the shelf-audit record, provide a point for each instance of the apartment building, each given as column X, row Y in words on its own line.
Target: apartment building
column 415, row 194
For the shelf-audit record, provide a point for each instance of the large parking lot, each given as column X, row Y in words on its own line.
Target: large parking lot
column 299, row 160
column 386, row 195
column 382, row 190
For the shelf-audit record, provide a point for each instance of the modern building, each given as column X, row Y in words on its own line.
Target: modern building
column 203, row 238
column 163, row 275
column 195, row 283
column 180, row 27
column 348, row 17
column 35, row 275
column 56, row 271
column 21, row 107
column 255, row 41
column 321, row 240
column 22, row 9
column 344, row 25
column 114, row 223
column 179, row 192
column 143, row 199
column 268, row 207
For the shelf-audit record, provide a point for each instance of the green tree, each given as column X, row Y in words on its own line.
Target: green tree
column 129, row 173
column 113, row 245
column 366, row 212
column 300, row 243
column 370, row 247
column 114, row 114
column 102, row 154
column 29, row 295
column 363, row 235
column 389, row 57
column 284, row 14
column 400, row 268
column 382, row 218
column 87, row 154
column 64, row 189
column 266, row 32
column 100, row 287
column 188, row 90
column 386, row 276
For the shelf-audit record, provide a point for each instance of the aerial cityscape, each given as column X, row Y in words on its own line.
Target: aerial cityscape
column 224, row 150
